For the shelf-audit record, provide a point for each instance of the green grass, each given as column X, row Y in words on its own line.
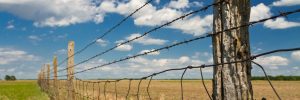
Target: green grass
column 21, row 90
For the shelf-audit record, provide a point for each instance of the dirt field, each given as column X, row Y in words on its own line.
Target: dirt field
column 170, row 90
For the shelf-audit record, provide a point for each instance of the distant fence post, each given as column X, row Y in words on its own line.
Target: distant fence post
column 70, row 70
column 48, row 78
column 56, row 91
column 43, row 79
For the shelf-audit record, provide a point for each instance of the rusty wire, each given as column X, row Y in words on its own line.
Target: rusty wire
column 186, row 41
column 204, row 84
column 268, row 79
column 128, row 90
column 107, row 32
column 148, row 32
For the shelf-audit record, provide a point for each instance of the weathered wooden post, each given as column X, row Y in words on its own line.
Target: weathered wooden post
column 231, row 81
column 70, row 70
column 43, row 78
column 56, row 91
column 48, row 78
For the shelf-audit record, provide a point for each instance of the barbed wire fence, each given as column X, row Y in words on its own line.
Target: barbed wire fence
column 59, row 87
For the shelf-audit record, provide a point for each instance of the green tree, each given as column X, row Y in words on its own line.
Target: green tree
column 7, row 77
column 10, row 78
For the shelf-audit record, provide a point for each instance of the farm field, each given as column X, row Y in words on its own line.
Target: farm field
column 21, row 90
column 170, row 90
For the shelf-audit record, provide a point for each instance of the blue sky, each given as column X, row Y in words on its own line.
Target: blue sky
column 33, row 31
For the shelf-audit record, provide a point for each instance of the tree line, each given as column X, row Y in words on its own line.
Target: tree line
column 280, row 77
column 10, row 78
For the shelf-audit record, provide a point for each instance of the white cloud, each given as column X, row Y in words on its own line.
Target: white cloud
column 124, row 47
column 272, row 62
column 296, row 55
column 146, row 40
column 178, row 4
column 195, row 25
column 280, row 23
column 61, row 52
column 286, row 3
column 53, row 12
column 260, row 11
column 34, row 38
column 9, row 55
column 153, row 53
column 152, row 16
column 10, row 24
column 102, row 42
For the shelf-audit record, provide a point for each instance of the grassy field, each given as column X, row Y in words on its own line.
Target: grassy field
column 21, row 90
column 159, row 90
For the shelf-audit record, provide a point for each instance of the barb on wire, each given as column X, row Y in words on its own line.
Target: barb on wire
column 148, row 32
column 204, row 84
column 186, row 41
column 85, row 86
column 268, row 79
column 107, row 32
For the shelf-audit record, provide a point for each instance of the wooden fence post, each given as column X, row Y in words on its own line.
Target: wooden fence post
column 70, row 70
column 43, row 78
column 56, row 91
column 48, row 78
column 231, row 81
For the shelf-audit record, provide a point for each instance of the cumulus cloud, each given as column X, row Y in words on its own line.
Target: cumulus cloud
column 272, row 62
column 9, row 55
column 286, row 3
column 34, row 38
column 153, row 53
column 296, row 55
column 10, row 24
column 179, row 4
column 124, row 47
column 146, row 40
column 60, row 52
column 102, row 42
column 280, row 23
column 53, row 12
column 152, row 16
column 262, row 11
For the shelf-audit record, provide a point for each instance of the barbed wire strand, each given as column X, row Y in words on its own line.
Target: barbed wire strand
column 137, row 94
column 204, row 84
column 209, row 65
column 148, row 32
column 203, row 66
column 107, row 32
column 128, row 90
column 268, row 79
column 186, row 41
column 181, row 84
column 148, row 88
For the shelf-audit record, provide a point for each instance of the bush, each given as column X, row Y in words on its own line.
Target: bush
column 10, row 78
